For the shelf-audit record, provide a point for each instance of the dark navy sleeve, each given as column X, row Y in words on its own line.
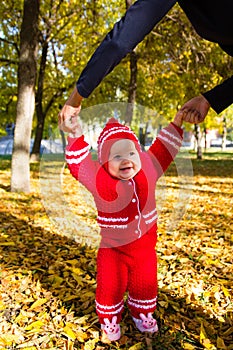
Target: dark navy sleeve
column 213, row 21
column 138, row 21
column 221, row 96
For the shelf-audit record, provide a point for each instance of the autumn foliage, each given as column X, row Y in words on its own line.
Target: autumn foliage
column 47, row 287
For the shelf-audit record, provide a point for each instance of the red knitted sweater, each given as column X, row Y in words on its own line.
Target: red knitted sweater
column 126, row 209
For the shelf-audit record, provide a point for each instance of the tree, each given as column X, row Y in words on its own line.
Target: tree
column 55, row 18
column 162, row 74
column 27, row 70
column 61, row 32
column 11, row 18
column 225, row 126
column 69, row 31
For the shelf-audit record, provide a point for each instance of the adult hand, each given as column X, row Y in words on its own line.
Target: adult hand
column 195, row 110
column 71, row 109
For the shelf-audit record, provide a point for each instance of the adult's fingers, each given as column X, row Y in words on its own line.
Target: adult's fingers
column 192, row 116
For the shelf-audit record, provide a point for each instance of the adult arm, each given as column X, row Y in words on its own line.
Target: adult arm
column 138, row 21
column 213, row 21
column 221, row 96
column 218, row 98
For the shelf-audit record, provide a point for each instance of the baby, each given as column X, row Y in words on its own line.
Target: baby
column 123, row 182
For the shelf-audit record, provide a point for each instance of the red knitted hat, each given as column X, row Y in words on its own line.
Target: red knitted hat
column 112, row 132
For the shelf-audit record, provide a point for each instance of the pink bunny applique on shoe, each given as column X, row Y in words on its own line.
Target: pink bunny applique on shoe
column 111, row 329
column 146, row 323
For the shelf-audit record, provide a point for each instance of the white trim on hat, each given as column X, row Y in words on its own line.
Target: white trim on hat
column 112, row 131
column 112, row 128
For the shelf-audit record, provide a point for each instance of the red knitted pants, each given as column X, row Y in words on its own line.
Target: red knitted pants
column 132, row 268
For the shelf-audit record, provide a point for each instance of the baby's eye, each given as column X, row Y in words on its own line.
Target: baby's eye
column 132, row 153
column 117, row 156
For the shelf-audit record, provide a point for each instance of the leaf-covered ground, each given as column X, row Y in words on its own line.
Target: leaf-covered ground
column 47, row 279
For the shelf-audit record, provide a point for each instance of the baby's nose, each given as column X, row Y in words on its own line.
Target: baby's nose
column 125, row 159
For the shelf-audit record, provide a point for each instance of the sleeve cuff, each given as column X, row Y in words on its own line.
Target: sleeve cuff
column 179, row 129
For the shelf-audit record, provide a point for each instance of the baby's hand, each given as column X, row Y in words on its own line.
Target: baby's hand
column 75, row 127
column 179, row 117
column 71, row 108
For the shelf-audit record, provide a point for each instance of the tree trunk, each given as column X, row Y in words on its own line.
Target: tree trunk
column 35, row 154
column 41, row 112
column 205, row 135
column 63, row 138
column 224, row 134
column 143, row 131
column 133, row 81
column 20, row 176
column 198, row 139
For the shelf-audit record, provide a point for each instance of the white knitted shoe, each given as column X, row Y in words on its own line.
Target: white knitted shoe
column 146, row 323
column 111, row 329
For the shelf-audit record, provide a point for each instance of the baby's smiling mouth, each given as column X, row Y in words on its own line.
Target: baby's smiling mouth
column 126, row 168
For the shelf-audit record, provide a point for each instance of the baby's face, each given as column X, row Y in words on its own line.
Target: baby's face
column 124, row 160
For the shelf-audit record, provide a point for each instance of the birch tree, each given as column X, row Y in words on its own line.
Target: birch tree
column 20, row 169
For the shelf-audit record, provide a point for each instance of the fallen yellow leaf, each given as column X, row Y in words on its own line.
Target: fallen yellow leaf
column 38, row 303
column 7, row 339
column 220, row 343
column 34, row 325
column 69, row 332
column 188, row 346
column 137, row 346
column 225, row 291
column 7, row 244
